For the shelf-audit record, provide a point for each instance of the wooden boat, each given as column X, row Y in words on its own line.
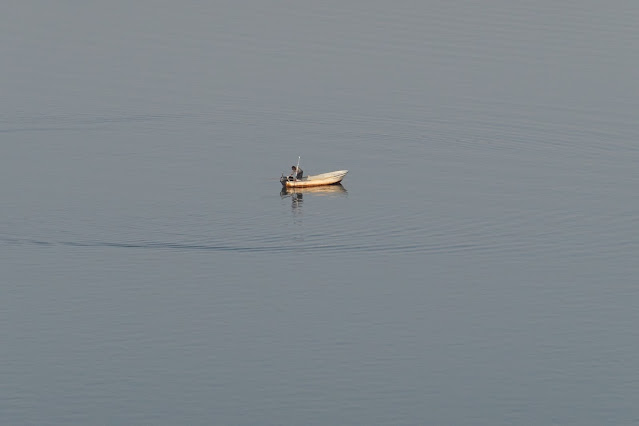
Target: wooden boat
column 330, row 178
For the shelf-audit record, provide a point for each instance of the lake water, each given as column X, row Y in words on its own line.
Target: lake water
column 479, row 265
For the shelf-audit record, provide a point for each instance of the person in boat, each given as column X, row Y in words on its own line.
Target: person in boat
column 296, row 173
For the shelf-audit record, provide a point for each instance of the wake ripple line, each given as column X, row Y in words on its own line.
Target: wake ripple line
column 322, row 248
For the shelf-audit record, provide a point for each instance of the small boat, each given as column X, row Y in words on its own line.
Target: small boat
column 330, row 178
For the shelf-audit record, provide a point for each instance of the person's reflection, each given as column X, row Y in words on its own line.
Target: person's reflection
column 297, row 198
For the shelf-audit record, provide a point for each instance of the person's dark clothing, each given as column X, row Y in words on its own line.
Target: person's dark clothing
column 297, row 175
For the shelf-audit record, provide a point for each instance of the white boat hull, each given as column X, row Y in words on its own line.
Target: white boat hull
column 330, row 178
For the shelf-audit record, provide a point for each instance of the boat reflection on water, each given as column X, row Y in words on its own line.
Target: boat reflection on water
column 336, row 189
column 297, row 194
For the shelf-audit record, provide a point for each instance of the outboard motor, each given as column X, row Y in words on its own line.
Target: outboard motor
column 284, row 179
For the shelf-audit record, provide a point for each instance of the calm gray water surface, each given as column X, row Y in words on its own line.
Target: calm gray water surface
column 478, row 266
